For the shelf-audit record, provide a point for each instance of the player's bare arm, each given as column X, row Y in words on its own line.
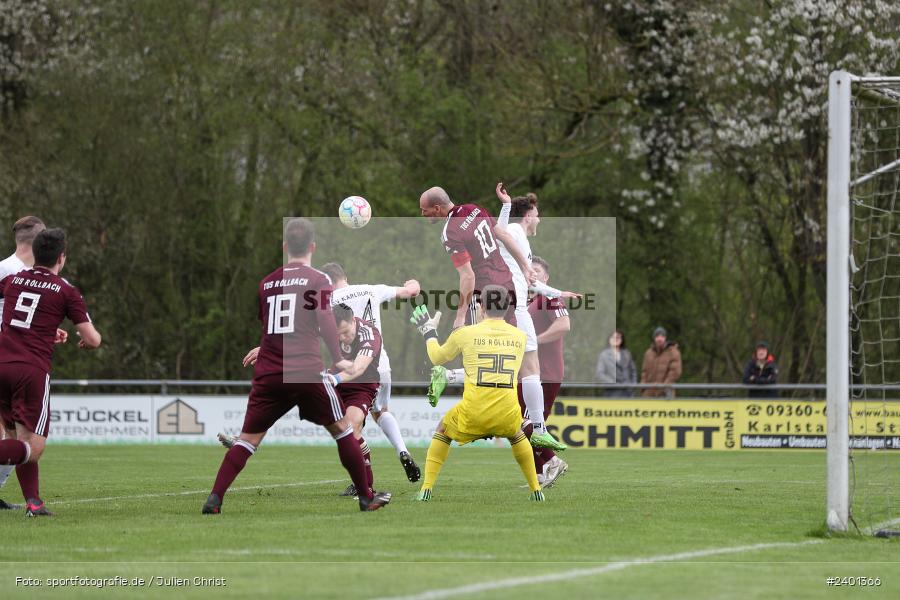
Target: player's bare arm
column 502, row 194
column 356, row 368
column 251, row 357
column 90, row 337
column 410, row 289
column 466, row 290
column 567, row 294
column 556, row 331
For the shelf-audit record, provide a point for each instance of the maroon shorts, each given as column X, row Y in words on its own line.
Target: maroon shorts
column 360, row 395
column 271, row 398
column 551, row 390
column 25, row 397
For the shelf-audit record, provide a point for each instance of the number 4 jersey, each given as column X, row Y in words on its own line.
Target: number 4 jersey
column 492, row 354
column 365, row 302
column 35, row 303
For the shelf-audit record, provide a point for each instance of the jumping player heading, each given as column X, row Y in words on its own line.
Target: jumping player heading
column 470, row 238
column 37, row 300
column 519, row 217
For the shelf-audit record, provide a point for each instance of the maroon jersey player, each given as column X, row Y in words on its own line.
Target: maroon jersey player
column 359, row 383
column 36, row 301
column 470, row 237
column 551, row 323
column 295, row 310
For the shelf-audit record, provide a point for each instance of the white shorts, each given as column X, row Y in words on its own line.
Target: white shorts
column 526, row 325
column 384, row 392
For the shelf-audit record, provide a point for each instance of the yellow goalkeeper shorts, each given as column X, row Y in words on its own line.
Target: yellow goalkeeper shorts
column 503, row 426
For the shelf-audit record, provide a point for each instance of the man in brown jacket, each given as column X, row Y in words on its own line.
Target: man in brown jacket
column 662, row 364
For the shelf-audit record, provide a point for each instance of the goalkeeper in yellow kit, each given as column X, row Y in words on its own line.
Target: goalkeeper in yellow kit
column 492, row 353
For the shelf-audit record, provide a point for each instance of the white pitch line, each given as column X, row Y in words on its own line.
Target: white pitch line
column 475, row 588
column 194, row 492
column 351, row 552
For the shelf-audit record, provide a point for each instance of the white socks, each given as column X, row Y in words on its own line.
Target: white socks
column 391, row 429
column 533, row 395
column 5, row 470
column 456, row 376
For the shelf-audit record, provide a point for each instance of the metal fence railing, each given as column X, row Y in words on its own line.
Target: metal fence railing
column 681, row 390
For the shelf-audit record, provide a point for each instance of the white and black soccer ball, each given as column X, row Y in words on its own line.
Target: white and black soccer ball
column 355, row 212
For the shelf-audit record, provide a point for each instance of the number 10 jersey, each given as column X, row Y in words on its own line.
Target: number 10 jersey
column 468, row 236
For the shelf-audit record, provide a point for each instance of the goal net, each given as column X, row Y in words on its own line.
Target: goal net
column 864, row 304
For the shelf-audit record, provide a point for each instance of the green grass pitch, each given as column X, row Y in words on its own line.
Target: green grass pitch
column 620, row 524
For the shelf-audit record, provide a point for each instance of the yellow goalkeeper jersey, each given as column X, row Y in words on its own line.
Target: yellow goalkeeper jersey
column 492, row 354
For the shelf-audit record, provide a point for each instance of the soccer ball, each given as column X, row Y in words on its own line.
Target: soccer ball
column 355, row 212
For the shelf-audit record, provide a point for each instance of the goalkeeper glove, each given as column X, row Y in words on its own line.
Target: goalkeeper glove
column 424, row 322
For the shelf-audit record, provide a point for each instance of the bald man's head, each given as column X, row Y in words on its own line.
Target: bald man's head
column 435, row 204
column 435, row 195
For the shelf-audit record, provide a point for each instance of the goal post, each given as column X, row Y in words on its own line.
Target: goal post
column 863, row 303
column 837, row 332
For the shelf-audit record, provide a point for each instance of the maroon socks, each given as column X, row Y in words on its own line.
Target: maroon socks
column 234, row 462
column 28, row 480
column 352, row 459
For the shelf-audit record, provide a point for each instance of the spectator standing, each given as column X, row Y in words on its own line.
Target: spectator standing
column 662, row 364
column 615, row 365
column 762, row 371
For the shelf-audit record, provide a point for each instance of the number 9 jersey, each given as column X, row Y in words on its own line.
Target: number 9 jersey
column 492, row 354
column 36, row 302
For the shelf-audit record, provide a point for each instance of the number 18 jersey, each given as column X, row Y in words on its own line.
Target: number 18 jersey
column 294, row 303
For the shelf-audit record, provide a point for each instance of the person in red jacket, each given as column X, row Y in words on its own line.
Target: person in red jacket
column 761, row 370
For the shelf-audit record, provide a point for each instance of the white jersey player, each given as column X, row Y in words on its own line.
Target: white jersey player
column 365, row 301
column 10, row 265
column 523, row 212
column 24, row 231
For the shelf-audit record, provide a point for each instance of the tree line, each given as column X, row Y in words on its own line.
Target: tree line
column 170, row 138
